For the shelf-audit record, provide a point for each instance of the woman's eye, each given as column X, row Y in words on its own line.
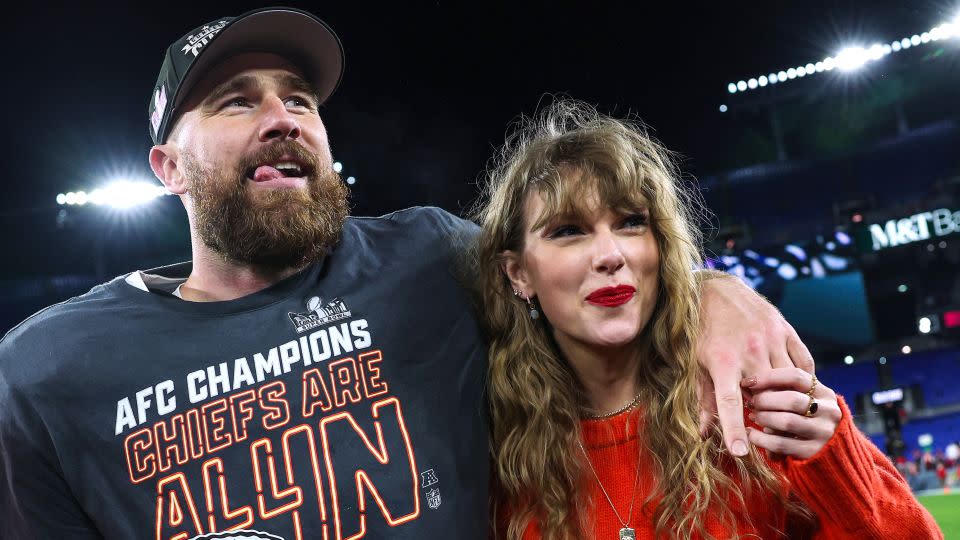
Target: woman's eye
column 635, row 220
column 565, row 230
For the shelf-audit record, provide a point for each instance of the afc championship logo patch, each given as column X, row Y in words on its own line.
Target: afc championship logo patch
column 195, row 42
column 318, row 315
column 238, row 535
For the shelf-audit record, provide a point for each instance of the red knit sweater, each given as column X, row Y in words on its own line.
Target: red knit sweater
column 850, row 485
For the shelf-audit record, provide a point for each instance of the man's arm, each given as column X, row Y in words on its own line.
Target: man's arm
column 35, row 501
column 741, row 334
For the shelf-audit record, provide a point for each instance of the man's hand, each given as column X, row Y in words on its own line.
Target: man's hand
column 742, row 335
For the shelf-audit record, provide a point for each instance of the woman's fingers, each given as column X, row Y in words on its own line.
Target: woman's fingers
column 786, row 400
column 791, row 377
column 780, row 444
column 793, row 424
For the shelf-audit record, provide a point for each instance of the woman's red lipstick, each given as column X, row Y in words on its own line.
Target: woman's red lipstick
column 611, row 296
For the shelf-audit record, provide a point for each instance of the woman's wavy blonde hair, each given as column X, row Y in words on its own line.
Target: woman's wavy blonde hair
column 566, row 152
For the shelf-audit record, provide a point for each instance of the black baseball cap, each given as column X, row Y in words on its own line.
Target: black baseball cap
column 301, row 37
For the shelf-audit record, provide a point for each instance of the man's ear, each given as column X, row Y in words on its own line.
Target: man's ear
column 512, row 266
column 163, row 161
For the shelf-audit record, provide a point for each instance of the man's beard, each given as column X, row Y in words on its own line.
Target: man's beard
column 269, row 229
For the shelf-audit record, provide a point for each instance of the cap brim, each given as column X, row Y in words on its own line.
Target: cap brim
column 296, row 35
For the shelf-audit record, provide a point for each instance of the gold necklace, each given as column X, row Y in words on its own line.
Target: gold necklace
column 628, row 406
column 626, row 532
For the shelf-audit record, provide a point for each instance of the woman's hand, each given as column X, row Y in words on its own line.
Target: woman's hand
column 798, row 413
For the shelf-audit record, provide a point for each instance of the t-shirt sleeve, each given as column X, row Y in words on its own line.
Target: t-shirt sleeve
column 855, row 490
column 35, row 500
column 458, row 238
column 459, row 233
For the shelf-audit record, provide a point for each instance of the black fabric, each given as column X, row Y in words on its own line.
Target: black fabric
column 359, row 379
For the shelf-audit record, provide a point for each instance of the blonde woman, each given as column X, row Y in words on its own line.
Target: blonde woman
column 585, row 254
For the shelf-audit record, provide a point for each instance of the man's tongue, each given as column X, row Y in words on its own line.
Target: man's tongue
column 265, row 173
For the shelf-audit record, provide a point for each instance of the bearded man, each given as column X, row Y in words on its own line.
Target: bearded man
column 307, row 374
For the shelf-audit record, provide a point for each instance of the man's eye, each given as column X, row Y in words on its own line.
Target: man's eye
column 565, row 230
column 297, row 101
column 236, row 102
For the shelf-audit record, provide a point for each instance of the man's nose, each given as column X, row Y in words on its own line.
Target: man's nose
column 278, row 123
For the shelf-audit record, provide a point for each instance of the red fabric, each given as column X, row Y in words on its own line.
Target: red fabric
column 851, row 486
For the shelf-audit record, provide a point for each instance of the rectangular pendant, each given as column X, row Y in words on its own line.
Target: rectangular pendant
column 627, row 533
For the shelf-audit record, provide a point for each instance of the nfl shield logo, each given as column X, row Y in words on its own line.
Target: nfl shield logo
column 433, row 499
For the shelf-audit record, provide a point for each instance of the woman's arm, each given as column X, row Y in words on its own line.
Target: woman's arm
column 851, row 486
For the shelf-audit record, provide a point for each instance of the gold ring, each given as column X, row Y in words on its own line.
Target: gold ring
column 813, row 385
column 811, row 407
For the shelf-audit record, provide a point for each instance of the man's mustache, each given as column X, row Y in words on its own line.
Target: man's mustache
column 309, row 162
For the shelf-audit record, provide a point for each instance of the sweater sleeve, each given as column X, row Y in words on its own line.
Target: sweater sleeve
column 855, row 490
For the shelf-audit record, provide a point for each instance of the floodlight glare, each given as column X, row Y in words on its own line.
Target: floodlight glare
column 852, row 58
column 351, row 180
column 723, row 108
column 126, row 194
column 848, row 359
column 337, row 166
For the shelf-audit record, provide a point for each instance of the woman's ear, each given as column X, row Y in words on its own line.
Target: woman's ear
column 512, row 266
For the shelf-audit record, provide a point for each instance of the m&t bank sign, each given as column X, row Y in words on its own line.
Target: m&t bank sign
column 916, row 228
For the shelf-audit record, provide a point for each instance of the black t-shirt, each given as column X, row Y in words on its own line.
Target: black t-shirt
column 343, row 402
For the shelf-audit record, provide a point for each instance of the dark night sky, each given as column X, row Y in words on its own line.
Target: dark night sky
column 429, row 88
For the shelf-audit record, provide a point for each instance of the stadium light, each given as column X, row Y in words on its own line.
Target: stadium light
column 906, row 349
column 924, row 325
column 852, row 58
column 337, row 166
column 848, row 360
column 855, row 57
column 351, row 180
column 120, row 194
column 723, row 108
